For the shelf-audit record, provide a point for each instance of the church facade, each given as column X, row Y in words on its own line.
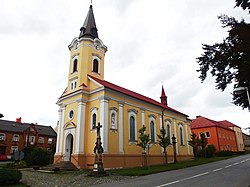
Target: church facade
column 89, row 99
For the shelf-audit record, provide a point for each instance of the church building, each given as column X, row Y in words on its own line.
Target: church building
column 89, row 99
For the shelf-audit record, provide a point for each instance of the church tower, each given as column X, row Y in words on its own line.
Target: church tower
column 87, row 54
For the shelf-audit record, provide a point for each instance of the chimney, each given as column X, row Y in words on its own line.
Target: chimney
column 19, row 120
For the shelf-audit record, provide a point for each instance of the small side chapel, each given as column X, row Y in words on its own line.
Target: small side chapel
column 89, row 99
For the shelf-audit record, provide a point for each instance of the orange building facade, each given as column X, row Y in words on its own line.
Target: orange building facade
column 222, row 137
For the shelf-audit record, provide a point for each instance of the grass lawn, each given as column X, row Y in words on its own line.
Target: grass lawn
column 140, row 171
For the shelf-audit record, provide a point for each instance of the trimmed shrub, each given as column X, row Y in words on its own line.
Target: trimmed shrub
column 36, row 156
column 224, row 153
column 9, row 176
column 210, row 150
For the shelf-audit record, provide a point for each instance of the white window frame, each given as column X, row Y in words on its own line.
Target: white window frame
column 50, row 141
column 73, row 84
column 152, row 119
column 181, row 133
column 32, row 138
column 73, row 60
column 2, row 136
column 70, row 118
column 13, row 149
column 114, row 125
column 206, row 134
column 99, row 64
column 168, row 123
column 92, row 112
column 41, row 140
column 134, row 114
column 15, row 138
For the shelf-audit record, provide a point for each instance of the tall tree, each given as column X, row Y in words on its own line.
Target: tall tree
column 203, row 143
column 229, row 61
column 164, row 141
column 194, row 142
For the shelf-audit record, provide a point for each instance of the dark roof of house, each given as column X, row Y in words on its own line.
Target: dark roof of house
column 89, row 27
column 13, row 126
column 202, row 122
column 133, row 94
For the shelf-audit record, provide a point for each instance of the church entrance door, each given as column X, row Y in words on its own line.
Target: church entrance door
column 68, row 147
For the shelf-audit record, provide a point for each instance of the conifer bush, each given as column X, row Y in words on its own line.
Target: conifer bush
column 9, row 176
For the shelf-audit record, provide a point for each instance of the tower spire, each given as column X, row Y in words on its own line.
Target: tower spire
column 89, row 30
column 163, row 97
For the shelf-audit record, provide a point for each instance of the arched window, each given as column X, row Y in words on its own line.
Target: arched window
column 113, row 121
column 181, row 136
column 93, row 121
column 75, row 65
column 152, row 132
column 132, row 128
column 95, row 66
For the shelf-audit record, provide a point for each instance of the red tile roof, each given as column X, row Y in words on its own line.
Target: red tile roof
column 202, row 122
column 228, row 124
column 133, row 94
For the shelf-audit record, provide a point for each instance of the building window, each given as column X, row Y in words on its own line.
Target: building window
column 207, row 134
column 93, row 122
column 71, row 114
column 152, row 131
column 50, row 140
column 41, row 140
column 15, row 138
column 74, row 66
column 132, row 128
column 13, row 149
column 181, row 136
column 168, row 131
column 2, row 137
column 96, row 65
column 32, row 140
column 73, row 84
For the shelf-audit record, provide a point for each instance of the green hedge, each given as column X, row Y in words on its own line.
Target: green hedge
column 9, row 176
column 224, row 153
column 36, row 156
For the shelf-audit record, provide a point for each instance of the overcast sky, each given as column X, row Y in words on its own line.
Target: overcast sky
column 150, row 43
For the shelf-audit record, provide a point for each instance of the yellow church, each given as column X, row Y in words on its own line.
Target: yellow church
column 89, row 99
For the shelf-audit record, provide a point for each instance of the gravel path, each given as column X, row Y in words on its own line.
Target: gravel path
column 75, row 179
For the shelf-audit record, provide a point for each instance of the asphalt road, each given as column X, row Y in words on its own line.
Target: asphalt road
column 234, row 172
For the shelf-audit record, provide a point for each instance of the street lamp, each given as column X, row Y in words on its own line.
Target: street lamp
column 241, row 90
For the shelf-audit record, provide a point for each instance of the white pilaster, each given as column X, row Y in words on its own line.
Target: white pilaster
column 121, row 149
column 61, row 124
column 187, row 135
column 104, row 121
column 58, row 132
column 80, row 127
column 143, row 117
column 175, row 134
column 160, row 122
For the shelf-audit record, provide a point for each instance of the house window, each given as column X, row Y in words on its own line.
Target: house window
column 132, row 128
column 207, row 134
column 152, row 131
column 41, row 140
column 93, row 121
column 71, row 114
column 15, row 138
column 2, row 136
column 181, row 136
column 32, row 140
column 50, row 140
column 13, row 149
column 74, row 66
column 168, row 131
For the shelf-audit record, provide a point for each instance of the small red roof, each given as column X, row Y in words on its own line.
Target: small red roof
column 163, row 92
column 202, row 122
column 228, row 124
column 133, row 94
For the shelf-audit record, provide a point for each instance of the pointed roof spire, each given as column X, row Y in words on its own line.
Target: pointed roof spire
column 89, row 30
column 163, row 97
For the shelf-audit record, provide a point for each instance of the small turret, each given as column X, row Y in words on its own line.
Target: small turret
column 164, row 98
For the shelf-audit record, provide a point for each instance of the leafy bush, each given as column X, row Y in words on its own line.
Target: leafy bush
column 210, row 150
column 224, row 153
column 36, row 156
column 9, row 176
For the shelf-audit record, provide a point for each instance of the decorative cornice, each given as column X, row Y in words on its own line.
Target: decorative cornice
column 113, row 108
column 152, row 116
column 81, row 100
column 133, row 110
column 104, row 97
column 93, row 108
column 74, row 55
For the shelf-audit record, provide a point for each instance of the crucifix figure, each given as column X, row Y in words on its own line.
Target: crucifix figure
column 98, row 169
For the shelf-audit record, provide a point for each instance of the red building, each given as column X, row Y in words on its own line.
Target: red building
column 15, row 135
column 218, row 134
